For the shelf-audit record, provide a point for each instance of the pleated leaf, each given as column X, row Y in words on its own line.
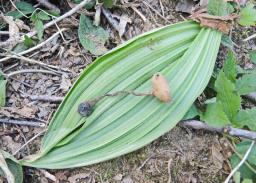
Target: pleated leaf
column 184, row 53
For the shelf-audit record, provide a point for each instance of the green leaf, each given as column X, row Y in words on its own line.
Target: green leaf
column 2, row 90
column 24, row 7
column 43, row 16
column 92, row 37
column 248, row 15
column 108, row 3
column 229, row 67
column 215, row 115
column 246, row 118
column 9, row 166
column 247, row 181
column 28, row 41
column 227, row 95
column 227, row 41
column 39, row 26
column 184, row 53
column 241, row 148
column 88, row 6
column 192, row 112
column 246, row 84
column 252, row 54
column 219, row 7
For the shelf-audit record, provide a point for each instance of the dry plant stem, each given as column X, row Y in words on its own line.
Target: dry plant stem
column 241, row 157
column 139, row 13
column 4, row 167
column 159, row 14
column 30, row 71
column 46, row 98
column 35, row 47
column 30, row 140
column 48, row 5
column 118, row 93
column 22, row 122
column 53, row 22
column 33, row 61
column 250, row 37
column 198, row 125
column 241, row 162
column 110, row 19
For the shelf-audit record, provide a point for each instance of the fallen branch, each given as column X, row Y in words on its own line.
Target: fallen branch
column 198, row 125
column 30, row 71
column 46, row 98
column 22, row 122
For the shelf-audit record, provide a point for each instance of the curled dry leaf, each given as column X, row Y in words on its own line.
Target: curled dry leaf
column 13, row 32
column 160, row 88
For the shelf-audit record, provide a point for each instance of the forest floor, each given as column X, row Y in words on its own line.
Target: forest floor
column 181, row 155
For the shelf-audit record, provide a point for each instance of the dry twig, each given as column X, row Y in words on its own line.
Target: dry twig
column 198, row 125
column 48, row 5
column 241, row 162
column 22, row 122
column 46, row 98
column 35, row 47
column 30, row 71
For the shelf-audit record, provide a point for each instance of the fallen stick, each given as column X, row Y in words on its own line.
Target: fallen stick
column 46, row 98
column 22, row 122
column 35, row 47
column 29, row 71
column 198, row 125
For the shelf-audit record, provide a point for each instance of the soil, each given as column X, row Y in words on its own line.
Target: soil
column 181, row 155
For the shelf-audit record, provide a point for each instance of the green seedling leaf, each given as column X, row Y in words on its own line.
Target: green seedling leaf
column 28, row 42
column 246, row 118
column 237, row 177
column 246, row 84
column 24, row 7
column 43, row 16
column 108, row 3
column 215, row 115
column 241, row 148
column 92, row 37
column 248, row 15
column 252, row 54
column 219, row 7
column 227, row 41
column 184, row 53
column 2, row 90
column 39, row 26
column 227, row 95
column 192, row 112
column 10, row 168
column 229, row 67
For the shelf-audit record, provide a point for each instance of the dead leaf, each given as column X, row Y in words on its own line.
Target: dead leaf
column 127, row 180
column 26, row 112
column 220, row 23
column 10, row 144
column 124, row 19
column 217, row 157
column 65, row 83
column 81, row 177
column 185, row 6
column 160, row 88
column 118, row 177
column 13, row 32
